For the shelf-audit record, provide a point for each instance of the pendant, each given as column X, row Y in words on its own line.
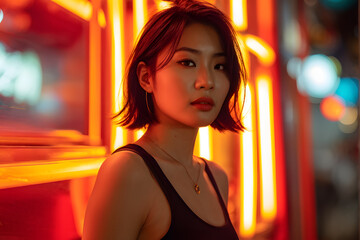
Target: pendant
column 197, row 188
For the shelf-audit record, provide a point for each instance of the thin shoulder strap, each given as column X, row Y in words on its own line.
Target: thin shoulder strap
column 153, row 166
column 212, row 179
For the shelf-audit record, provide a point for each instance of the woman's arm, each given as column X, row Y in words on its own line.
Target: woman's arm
column 119, row 203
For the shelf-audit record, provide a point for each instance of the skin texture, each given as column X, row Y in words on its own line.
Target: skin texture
column 127, row 202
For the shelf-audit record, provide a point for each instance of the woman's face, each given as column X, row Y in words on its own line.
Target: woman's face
column 191, row 88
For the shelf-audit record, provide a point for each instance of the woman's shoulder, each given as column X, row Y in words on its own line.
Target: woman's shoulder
column 121, row 199
column 124, row 164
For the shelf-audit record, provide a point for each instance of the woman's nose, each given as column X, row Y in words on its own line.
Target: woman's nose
column 204, row 79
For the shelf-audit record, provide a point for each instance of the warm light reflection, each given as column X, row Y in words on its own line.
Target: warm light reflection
column 79, row 196
column 247, row 180
column 101, row 18
column 81, row 8
column 115, row 10
column 267, row 166
column 36, row 172
column 244, row 52
column 161, row 5
column 261, row 49
column 238, row 11
column 139, row 134
column 205, row 143
column 140, row 16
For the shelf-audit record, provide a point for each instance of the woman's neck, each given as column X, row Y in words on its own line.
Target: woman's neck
column 177, row 142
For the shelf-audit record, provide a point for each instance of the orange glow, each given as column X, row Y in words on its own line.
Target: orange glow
column 35, row 172
column 268, row 202
column 161, row 5
column 247, row 169
column 81, row 8
column 140, row 16
column 80, row 190
column 332, row 108
column 205, row 143
column 245, row 52
column 139, row 134
column 94, row 82
column 265, row 18
column 238, row 11
column 118, row 135
column 101, row 18
column 260, row 49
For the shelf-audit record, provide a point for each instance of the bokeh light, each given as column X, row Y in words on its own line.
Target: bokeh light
column 1, row 15
column 20, row 76
column 350, row 116
column 332, row 108
column 318, row 77
column 348, row 128
column 348, row 91
column 292, row 37
column 293, row 67
column 337, row 65
column 338, row 4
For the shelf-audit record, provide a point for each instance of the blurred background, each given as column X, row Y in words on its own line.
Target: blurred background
column 293, row 175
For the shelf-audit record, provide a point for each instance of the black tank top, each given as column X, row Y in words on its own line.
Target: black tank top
column 185, row 224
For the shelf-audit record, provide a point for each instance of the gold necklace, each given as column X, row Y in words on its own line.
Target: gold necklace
column 196, row 185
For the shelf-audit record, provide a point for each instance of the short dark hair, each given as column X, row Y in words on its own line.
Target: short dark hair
column 164, row 29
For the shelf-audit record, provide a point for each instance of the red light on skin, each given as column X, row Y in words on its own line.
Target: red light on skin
column 333, row 108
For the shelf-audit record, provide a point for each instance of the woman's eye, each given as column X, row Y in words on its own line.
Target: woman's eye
column 220, row 66
column 187, row 63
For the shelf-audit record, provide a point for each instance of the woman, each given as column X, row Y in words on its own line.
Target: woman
column 184, row 73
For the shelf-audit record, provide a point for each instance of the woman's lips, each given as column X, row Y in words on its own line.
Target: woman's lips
column 203, row 104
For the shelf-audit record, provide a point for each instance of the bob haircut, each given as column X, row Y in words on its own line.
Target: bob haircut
column 164, row 29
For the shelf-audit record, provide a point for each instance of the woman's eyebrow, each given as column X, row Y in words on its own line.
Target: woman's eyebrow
column 195, row 51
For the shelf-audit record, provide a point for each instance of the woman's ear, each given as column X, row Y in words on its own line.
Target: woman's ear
column 144, row 76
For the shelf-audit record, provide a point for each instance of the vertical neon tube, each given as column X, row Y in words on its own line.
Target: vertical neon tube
column 94, row 81
column 247, row 180
column 267, row 155
column 117, row 59
column 238, row 11
column 139, row 16
column 139, row 19
column 205, row 143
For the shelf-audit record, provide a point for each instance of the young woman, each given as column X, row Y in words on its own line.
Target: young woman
column 184, row 73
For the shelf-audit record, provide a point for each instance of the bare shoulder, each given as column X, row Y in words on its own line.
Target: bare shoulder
column 121, row 169
column 121, row 198
column 123, row 165
column 221, row 178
